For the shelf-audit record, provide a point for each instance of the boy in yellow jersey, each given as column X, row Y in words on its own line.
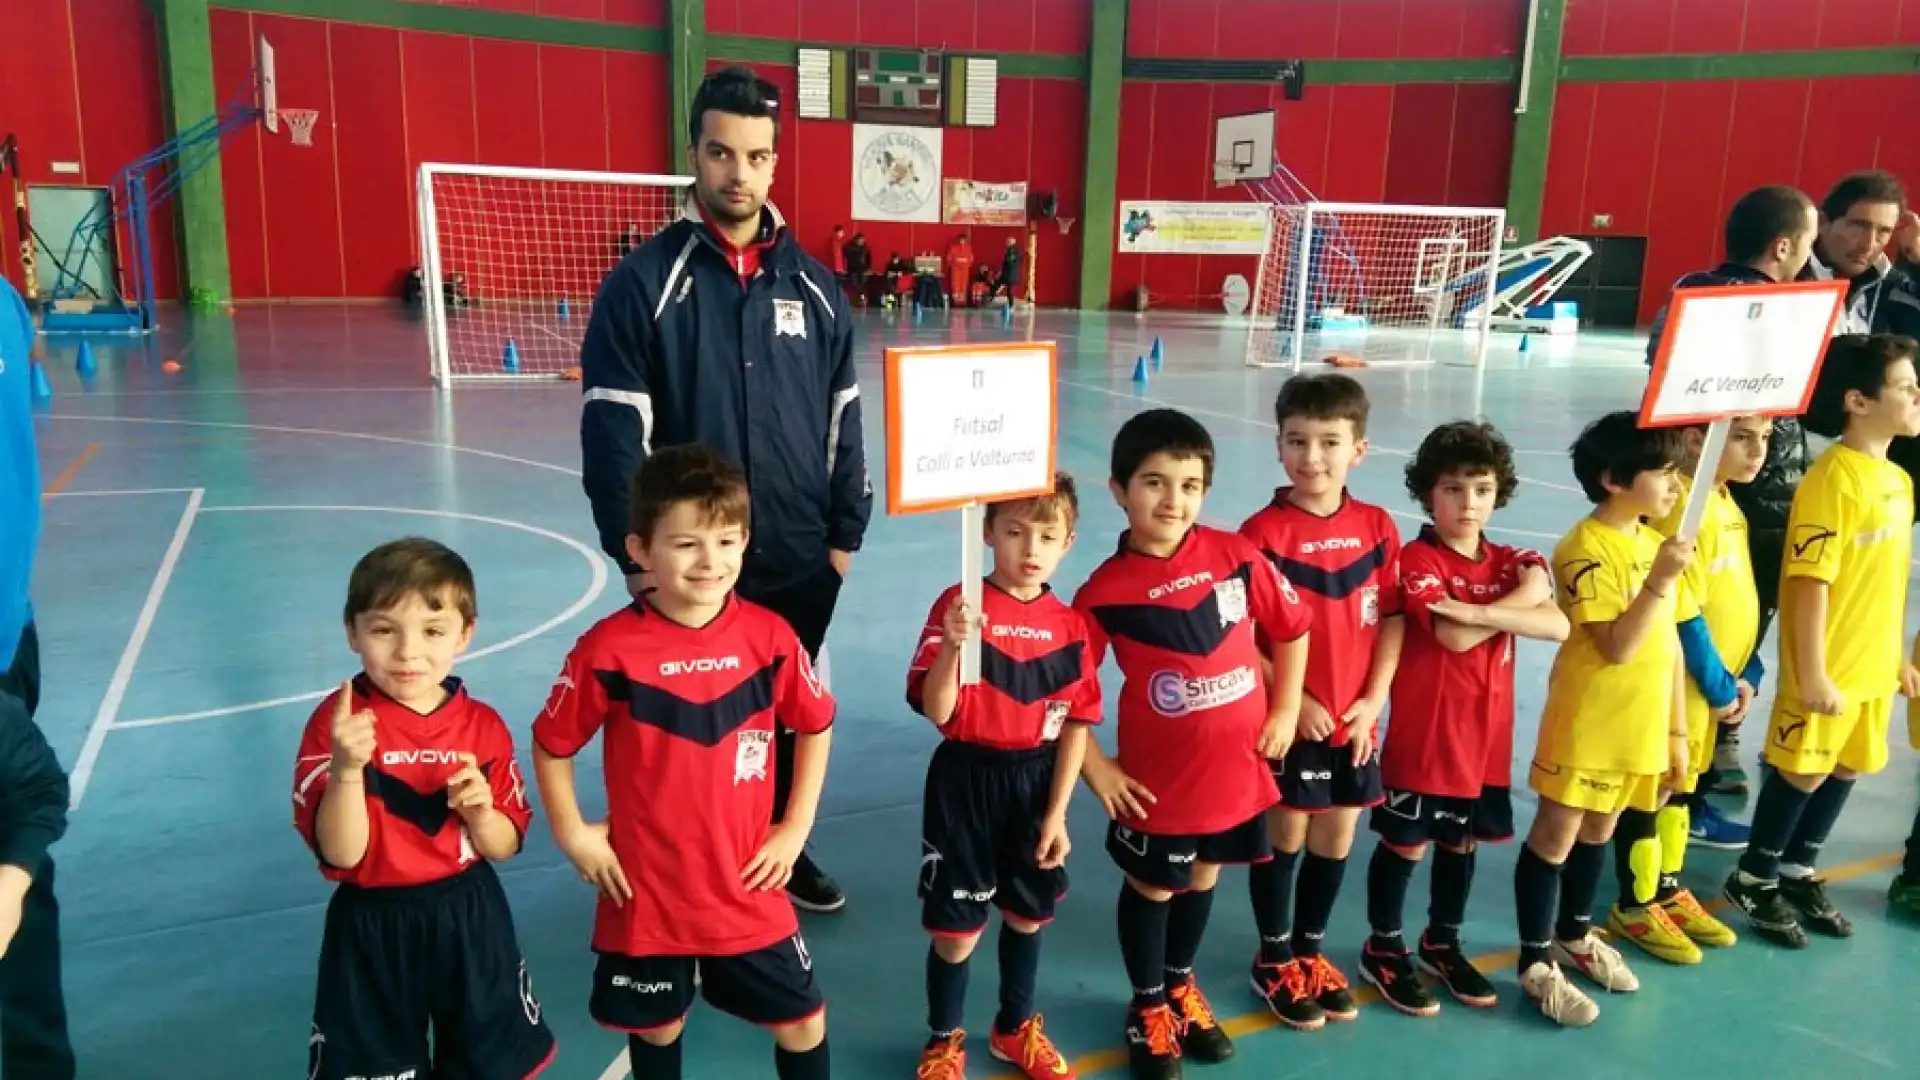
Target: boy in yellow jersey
column 1842, row 617
column 1612, row 727
column 1654, row 911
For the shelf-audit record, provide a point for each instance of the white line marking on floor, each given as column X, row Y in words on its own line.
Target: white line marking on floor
column 619, row 1070
column 279, row 429
column 130, row 656
column 596, row 564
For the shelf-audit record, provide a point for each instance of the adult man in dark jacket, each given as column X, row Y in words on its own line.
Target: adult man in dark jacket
column 721, row 330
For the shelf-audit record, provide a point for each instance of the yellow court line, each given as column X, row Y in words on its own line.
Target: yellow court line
column 60, row 482
column 1248, row 1023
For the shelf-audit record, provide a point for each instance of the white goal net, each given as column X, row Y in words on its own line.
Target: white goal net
column 512, row 258
column 1382, row 285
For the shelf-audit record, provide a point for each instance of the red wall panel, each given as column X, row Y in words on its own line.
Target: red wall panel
column 506, row 101
column 305, row 256
column 370, row 134
column 573, row 107
column 1326, row 29
column 637, row 125
column 1629, row 27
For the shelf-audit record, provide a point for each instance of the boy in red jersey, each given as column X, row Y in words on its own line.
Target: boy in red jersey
column 1343, row 556
column 1178, row 604
column 407, row 791
column 1446, row 763
column 994, row 829
column 686, row 684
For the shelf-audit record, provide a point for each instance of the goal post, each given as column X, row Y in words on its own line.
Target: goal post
column 511, row 259
column 1386, row 285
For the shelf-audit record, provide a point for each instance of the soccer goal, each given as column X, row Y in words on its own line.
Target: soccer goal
column 1383, row 285
column 512, row 258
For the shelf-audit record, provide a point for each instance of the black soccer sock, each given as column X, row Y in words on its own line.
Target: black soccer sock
column 815, row 1064
column 1019, row 970
column 1776, row 814
column 1816, row 823
column 1452, row 882
column 1186, row 926
column 1536, row 888
column 1271, row 886
column 1910, row 868
column 1579, row 885
column 1319, row 891
column 650, row 1062
column 1636, row 858
column 1143, row 945
column 1388, row 873
column 946, row 994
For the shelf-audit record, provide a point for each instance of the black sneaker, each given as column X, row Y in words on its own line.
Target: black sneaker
column 1153, row 1043
column 1808, row 895
column 811, row 889
column 1287, row 991
column 1766, row 910
column 1201, row 1037
column 1449, row 964
column 1391, row 972
column 1330, row 989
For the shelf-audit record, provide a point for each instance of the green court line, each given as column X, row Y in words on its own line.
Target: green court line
column 1697, row 67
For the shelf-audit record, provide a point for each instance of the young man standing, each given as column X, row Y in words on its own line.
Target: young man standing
column 721, row 330
column 33, row 790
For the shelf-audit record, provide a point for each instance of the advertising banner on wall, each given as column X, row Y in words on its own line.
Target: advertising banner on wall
column 977, row 202
column 896, row 173
column 1193, row 228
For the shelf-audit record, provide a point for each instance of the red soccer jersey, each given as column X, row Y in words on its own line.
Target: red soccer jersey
column 1450, row 730
column 1193, row 702
column 1036, row 672
column 413, row 837
column 688, row 714
column 1344, row 566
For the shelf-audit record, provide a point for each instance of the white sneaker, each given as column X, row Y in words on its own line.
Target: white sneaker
column 1599, row 962
column 1557, row 998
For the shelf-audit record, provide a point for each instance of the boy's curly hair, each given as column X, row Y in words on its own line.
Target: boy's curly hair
column 1462, row 447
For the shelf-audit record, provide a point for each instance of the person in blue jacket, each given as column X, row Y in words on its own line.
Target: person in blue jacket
column 33, row 789
column 721, row 330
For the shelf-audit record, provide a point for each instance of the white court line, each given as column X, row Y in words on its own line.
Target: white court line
column 620, row 1069
column 361, row 435
column 596, row 564
column 1269, row 425
column 130, row 656
column 123, row 491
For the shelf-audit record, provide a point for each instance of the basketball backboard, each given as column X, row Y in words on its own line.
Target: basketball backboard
column 263, row 71
column 1243, row 147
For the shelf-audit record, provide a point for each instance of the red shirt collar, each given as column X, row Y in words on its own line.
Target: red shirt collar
column 744, row 260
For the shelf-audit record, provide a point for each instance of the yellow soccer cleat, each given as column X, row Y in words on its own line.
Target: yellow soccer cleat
column 1649, row 927
column 1696, row 922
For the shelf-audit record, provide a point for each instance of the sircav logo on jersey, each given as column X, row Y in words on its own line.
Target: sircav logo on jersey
column 1174, row 694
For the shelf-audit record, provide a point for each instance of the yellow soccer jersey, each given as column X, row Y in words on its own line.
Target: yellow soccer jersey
column 1599, row 716
column 1720, row 581
column 1851, row 527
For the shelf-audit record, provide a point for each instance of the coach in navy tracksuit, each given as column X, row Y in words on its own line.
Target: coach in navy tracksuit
column 721, row 330
column 33, row 790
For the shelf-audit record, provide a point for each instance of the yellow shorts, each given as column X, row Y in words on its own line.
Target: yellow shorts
column 1595, row 790
column 1814, row 744
column 1700, row 740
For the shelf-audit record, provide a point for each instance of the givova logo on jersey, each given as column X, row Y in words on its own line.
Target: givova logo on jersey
column 1172, row 693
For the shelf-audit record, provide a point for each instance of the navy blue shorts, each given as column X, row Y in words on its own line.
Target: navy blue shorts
column 1316, row 777
column 1409, row 819
column 396, row 962
column 1166, row 861
column 979, row 830
column 771, row 987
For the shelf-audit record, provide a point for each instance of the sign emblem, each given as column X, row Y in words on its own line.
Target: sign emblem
column 1231, row 597
column 789, row 319
column 751, row 750
column 899, row 174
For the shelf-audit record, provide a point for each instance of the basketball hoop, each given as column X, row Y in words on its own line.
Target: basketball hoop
column 300, row 124
column 1065, row 223
column 1226, row 174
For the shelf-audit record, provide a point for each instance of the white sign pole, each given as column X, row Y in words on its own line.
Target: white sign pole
column 1704, row 474
column 973, row 550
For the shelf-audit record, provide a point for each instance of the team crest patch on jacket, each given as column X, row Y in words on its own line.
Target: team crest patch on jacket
column 789, row 318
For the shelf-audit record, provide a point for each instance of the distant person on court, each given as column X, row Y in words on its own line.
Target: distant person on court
column 33, row 790
column 1770, row 236
column 721, row 330
column 994, row 821
column 407, row 791
column 685, row 686
column 1843, row 607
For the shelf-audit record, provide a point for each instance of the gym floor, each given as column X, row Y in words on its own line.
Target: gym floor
column 200, row 523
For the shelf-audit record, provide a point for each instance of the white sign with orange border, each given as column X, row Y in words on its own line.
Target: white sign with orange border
column 1741, row 350
column 968, row 425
